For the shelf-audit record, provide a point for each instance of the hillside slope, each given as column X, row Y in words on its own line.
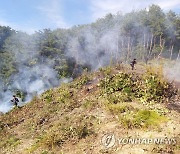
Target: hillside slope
column 85, row 116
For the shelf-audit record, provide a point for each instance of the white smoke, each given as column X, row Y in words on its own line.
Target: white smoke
column 172, row 71
column 96, row 52
column 33, row 76
column 5, row 104
column 33, row 81
column 96, row 45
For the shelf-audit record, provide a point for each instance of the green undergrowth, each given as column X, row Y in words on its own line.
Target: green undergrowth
column 10, row 141
column 122, row 90
column 82, row 80
column 147, row 88
column 135, row 117
column 106, row 70
column 141, row 119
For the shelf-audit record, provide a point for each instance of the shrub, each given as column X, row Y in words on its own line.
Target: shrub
column 78, row 83
column 48, row 95
column 106, row 70
column 11, row 141
column 119, row 108
column 141, row 119
column 63, row 94
column 124, row 87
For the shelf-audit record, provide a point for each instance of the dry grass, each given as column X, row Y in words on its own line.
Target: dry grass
column 74, row 116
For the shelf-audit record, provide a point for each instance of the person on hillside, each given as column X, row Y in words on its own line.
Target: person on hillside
column 15, row 101
column 133, row 63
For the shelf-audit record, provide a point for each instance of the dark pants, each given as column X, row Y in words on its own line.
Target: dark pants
column 16, row 103
column 132, row 65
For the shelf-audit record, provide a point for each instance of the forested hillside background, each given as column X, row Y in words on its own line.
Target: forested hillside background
column 30, row 64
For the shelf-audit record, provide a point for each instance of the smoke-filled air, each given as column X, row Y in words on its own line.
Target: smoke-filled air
column 31, row 64
column 89, row 76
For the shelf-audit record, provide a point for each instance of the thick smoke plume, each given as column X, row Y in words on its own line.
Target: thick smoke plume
column 110, row 40
column 31, row 79
column 38, row 74
column 96, row 53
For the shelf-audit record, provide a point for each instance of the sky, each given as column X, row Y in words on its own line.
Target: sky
column 34, row 15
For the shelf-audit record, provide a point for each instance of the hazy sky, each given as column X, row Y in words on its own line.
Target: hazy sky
column 31, row 15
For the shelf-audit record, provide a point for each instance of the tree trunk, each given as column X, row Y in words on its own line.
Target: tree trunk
column 122, row 47
column 154, row 45
column 151, row 45
column 117, row 53
column 147, row 44
column 162, row 42
column 178, row 55
column 171, row 52
column 146, row 49
column 128, row 50
column 144, row 41
column 131, row 48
